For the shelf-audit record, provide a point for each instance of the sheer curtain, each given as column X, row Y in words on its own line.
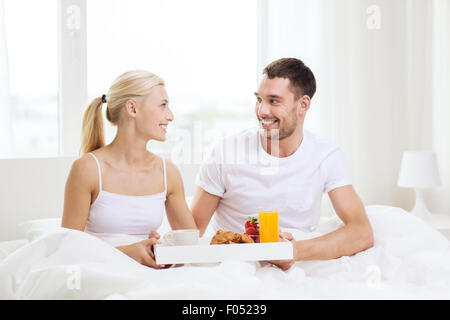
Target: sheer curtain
column 382, row 69
column 5, row 123
column 440, row 57
column 301, row 29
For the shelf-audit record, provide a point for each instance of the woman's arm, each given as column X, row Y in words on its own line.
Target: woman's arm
column 177, row 210
column 77, row 194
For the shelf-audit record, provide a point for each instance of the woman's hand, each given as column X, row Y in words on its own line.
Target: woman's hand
column 142, row 252
column 154, row 234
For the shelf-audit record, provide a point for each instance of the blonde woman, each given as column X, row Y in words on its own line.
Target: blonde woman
column 122, row 188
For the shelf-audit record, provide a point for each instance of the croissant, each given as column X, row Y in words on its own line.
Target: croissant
column 229, row 237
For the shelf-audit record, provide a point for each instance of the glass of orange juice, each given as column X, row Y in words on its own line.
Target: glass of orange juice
column 268, row 226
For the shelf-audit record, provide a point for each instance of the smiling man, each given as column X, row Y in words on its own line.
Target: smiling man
column 285, row 168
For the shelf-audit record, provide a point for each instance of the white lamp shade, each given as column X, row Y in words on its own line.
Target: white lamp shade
column 419, row 170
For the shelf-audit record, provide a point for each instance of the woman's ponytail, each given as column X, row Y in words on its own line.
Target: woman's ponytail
column 92, row 136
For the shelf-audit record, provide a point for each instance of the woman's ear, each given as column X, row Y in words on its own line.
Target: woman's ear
column 130, row 107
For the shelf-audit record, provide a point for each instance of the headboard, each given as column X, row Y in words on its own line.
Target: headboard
column 30, row 189
column 34, row 189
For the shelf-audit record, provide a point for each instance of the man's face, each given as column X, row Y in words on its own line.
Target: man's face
column 276, row 108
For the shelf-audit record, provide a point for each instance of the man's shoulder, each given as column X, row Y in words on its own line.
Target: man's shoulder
column 233, row 144
column 321, row 147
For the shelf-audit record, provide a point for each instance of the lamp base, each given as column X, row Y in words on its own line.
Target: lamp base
column 420, row 208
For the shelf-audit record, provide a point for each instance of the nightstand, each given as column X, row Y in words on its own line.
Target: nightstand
column 441, row 222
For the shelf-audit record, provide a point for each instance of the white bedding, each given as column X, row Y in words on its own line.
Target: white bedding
column 409, row 260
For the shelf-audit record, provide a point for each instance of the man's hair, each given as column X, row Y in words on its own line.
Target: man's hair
column 301, row 78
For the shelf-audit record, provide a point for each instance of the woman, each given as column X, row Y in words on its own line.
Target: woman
column 122, row 188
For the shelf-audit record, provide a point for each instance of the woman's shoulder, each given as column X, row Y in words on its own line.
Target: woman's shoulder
column 88, row 161
column 84, row 162
column 171, row 168
column 161, row 160
column 84, row 169
column 173, row 173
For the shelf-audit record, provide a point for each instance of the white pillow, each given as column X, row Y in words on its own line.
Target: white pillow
column 33, row 229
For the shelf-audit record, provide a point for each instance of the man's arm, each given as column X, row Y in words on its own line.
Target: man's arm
column 203, row 206
column 356, row 235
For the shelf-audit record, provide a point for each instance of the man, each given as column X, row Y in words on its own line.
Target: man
column 284, row 168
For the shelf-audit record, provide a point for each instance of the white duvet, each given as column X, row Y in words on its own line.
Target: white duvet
column 409, row 260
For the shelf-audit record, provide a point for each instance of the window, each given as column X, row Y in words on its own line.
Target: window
column 204, row 50
column 28, row 39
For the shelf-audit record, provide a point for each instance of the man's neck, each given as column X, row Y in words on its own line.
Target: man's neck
column 284, row 147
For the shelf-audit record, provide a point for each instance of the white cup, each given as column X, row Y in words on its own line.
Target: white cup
column 187, row 237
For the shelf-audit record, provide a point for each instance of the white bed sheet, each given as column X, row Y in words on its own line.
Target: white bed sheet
column 409, row 260
column 8, row 247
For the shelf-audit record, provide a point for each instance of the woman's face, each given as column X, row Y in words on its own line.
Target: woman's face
column 153, row 114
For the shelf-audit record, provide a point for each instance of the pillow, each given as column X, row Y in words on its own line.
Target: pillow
column 33, row 229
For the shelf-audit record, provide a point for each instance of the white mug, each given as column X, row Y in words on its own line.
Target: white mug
column 186, row 237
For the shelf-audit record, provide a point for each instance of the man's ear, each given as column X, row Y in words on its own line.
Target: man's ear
column 130, row 107
column 303, row 105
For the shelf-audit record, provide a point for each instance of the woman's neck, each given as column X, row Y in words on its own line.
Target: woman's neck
column 129, row 149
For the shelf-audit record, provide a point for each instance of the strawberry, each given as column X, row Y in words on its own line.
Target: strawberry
column 253, row 224
column 250, row 231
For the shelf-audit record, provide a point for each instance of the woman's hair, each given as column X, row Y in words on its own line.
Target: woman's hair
column 132, row 84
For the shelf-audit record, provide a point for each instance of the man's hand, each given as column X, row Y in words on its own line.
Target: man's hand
column 286, row 264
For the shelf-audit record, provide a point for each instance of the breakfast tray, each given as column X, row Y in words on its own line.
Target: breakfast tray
column 206, row 253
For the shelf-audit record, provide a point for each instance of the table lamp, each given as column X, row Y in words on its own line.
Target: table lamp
column 419, row 170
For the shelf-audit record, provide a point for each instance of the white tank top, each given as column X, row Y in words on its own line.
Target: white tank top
column 124, row 214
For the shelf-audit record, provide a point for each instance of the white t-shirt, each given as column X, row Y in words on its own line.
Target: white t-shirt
column 249, row 180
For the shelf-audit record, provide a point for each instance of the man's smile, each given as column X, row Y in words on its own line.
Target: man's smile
column 268, row 123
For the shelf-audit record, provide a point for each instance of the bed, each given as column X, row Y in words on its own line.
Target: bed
column 41, row 260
